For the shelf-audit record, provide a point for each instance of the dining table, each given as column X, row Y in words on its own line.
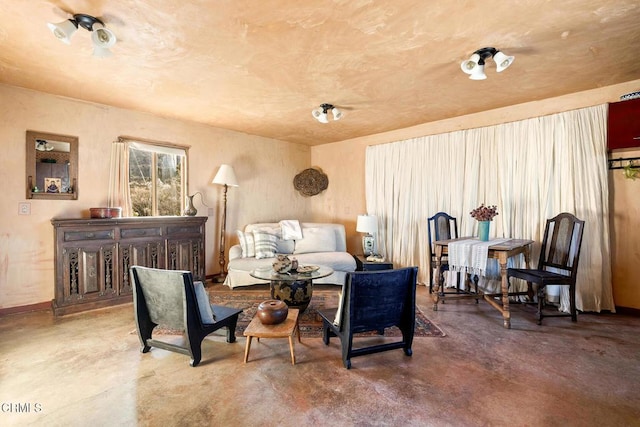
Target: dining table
column 500, row 249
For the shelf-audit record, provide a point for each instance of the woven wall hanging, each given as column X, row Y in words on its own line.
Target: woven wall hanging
column 310, row 182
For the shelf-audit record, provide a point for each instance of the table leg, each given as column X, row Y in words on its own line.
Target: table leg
column 436, row 280
column 506, row 314
column 293, row 356
column 247, row 348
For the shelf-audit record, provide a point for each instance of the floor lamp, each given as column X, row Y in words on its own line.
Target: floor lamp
column 227, row 178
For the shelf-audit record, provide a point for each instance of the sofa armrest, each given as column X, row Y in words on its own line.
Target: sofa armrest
column 235, row 252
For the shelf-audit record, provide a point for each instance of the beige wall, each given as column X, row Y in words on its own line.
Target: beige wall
column 344, row 162
column 26, row 242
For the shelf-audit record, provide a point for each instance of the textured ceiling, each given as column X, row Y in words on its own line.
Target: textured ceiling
column 260, row 67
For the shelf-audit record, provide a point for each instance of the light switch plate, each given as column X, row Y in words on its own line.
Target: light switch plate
column 24, row 208
column 210, row 212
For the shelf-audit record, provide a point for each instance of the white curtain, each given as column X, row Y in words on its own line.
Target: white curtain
column 119, row 194
column 531, row 169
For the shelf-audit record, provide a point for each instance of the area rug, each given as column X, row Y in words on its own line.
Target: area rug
column 310, row 321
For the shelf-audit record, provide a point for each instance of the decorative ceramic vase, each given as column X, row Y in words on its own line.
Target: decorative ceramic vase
column 272, row 312
column 190, row 210
column 483, row 230
column 282, row 264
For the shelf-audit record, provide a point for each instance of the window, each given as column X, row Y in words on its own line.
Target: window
column 157, row 179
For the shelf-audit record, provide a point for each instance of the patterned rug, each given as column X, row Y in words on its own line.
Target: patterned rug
column 310, row 320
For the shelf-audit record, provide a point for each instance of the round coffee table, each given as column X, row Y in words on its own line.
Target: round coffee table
column 295, row 289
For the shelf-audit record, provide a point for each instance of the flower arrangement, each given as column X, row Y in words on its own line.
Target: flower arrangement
column 484, row 213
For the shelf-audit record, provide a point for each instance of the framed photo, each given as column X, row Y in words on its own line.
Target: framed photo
column 52, row 185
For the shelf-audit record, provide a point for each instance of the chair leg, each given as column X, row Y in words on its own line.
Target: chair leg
column 572, row 302
column 325, row 332
column 231, row 329
column 196, row 355
column 540, row 304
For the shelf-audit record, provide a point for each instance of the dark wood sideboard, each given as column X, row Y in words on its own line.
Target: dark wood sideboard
column 92, row 256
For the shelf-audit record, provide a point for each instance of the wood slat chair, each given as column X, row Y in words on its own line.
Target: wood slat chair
column 373, row 301
column 169, row 298
column 558, row 262
column 443, row 226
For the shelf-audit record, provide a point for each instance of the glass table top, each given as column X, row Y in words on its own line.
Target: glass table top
column 267, row 273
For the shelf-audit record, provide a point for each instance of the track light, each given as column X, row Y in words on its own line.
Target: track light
column 321, row 113
column 101, row 37
column 474, row 66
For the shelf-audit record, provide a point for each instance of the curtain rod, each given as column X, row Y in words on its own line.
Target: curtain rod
column 125, row 138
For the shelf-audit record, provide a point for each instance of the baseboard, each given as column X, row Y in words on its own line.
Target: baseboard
column 628, row 310
column 41, row 306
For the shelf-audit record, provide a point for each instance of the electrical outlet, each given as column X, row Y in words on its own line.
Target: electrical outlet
column 210, row 212
column 24, row 208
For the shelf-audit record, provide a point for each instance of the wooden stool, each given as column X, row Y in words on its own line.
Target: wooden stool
column 288, row 328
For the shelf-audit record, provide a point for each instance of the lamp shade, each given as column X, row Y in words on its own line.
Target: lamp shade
column 502, row 61
column 225, row 176
column 64, row 30
column 367, row 224
column 478, row 73
column 102, row 37
column 469, row 65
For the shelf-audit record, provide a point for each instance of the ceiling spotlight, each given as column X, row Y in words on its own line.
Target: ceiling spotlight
column 474, row 66
column 321, row 113
column 102, row 38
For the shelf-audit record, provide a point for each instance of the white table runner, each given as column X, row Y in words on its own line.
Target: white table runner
column 470, row 255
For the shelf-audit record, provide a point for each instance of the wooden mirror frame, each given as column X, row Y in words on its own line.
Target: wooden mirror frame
column 30, row 174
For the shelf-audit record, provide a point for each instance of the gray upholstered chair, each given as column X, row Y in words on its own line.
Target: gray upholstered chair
column 171, row 299
column 373, row 301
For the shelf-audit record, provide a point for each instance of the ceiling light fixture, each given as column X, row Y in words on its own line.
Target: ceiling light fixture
column 321, row 113
column 474, row 66
column 102, row 37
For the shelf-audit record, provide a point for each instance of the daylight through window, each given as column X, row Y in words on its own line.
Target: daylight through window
column 157, row 181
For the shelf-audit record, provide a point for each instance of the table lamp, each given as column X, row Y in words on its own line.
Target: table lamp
column 226, row 177
column 367, row 224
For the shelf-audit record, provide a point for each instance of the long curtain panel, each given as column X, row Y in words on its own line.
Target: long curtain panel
column 531, row 169
column 119, row 194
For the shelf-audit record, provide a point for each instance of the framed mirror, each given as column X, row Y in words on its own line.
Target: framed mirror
column 52, row 166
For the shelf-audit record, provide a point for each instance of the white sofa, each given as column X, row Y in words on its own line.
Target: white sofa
column 321, row 244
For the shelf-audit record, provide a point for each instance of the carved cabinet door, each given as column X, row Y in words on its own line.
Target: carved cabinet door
column 89, row 272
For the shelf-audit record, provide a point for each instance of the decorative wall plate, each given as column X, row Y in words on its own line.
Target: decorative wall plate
column 310, row 182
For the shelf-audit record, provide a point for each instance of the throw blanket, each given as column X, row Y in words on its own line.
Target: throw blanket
column 470, row 255
column 291, row 229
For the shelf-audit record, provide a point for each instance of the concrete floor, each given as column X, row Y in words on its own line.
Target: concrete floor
column 87, row 369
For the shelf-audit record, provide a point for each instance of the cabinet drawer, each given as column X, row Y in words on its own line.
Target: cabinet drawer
column 72, row 236
column 182, row 230
column 127, row 233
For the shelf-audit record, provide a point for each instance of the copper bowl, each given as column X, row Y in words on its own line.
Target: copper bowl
column 106, row 212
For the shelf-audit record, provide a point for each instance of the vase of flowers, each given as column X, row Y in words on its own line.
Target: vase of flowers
column 484, row 215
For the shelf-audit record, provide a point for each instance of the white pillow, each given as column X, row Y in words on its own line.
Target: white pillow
column 282, row 246
column 265, row 244
column 316, row 240
column 204, row 306
column 247, row 244
column 291, row 229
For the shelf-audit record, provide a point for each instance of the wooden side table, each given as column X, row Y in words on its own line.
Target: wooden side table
column 363, row 265
column 286, row 329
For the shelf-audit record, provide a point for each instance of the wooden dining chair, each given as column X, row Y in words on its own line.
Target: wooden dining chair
column 443, row 226
column 558, row 262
